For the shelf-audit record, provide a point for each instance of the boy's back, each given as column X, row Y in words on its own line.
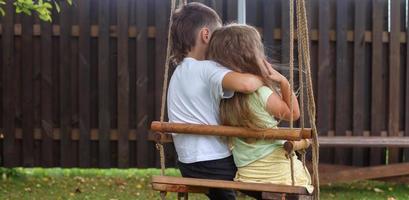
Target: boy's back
column 195, row 91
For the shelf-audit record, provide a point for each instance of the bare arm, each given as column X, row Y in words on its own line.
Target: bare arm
column 280, row 106
column 240, row 82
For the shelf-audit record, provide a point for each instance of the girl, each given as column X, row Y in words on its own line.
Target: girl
column 239, row 48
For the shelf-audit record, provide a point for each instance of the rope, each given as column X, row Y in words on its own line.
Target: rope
column 291, row 81
column 292, row 168
column 304, row 39
column 291, row 61
column 300, row 70
column 159, row 144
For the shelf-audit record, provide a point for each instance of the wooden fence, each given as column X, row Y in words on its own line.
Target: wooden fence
column 82, row 90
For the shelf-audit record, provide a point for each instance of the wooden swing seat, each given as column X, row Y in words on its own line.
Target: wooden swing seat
column 194, row 185
column 294, row 134
column 180, row 185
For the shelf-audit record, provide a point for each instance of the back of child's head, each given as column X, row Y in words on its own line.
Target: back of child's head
column 238, row 47
column 186, row 24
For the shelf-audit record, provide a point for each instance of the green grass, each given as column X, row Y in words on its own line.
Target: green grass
column 110, row 184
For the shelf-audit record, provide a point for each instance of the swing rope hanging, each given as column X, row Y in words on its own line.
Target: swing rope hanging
column 295, row 136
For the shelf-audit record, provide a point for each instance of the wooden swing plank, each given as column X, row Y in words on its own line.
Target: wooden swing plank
column 279, row 133
column 362, row 141
column 178, row 188
column 180, row 184
column 365, row 173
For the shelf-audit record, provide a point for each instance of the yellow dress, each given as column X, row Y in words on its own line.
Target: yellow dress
column 265, row 161
column 275, row 168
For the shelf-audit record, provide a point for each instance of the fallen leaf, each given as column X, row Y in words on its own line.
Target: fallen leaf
column 391, row 198
column 378, row 190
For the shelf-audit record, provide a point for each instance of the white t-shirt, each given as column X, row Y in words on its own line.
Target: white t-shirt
column 194, row 95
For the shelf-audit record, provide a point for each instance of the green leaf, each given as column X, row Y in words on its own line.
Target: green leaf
column 47, row 5
column 57, row 7
column 2, row 12
column 69, row 2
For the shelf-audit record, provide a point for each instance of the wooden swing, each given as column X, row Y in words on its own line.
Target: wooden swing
column 297, row 138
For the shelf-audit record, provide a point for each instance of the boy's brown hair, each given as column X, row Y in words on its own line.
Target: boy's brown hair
column 186, row 22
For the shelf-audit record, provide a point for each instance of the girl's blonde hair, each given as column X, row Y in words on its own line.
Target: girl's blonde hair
column 239, row 48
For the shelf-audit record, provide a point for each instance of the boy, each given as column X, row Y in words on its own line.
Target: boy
column 195, row 90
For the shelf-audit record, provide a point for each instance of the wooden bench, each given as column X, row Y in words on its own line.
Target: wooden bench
column 363, row 141
column 193, row 185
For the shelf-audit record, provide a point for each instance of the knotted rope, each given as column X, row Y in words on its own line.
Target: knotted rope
column 304, row 50
column 159, row 144
column 290, row 156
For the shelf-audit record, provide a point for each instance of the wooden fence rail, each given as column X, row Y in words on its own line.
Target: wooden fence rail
column 82, row 90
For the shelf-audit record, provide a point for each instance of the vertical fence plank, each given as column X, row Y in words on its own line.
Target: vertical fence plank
column 1, row 101
column 394, row 77
column 378, row 79
column 104, row 82
column 46, row 96
column 143, row 148
column 285, row 32
column 359, row 78
column 270, row 22
column 74, row 81
column 324, row 73
column 161, row 22
column 65, row 88
column 9, row 89
column 84, row 83
column 123, row 84
column 231, row 10
column 27, row 91
column 343, row 81
column 406, row 125
column 217, row 5
column 251, row 13
column 37, row 91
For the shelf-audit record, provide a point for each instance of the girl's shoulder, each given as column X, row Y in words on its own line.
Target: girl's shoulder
column 264, row 93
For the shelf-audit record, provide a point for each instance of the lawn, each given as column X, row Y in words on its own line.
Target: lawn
column 111, row 184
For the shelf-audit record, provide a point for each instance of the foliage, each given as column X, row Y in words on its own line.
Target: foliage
column 57, row 183
column 42, row 8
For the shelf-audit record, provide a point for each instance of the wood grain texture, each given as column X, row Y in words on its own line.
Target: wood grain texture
column 27, row 101
column 143, row 145
column 324, row 74
column 84, row 83
column 104, row 85
column 279, row 133
column 343, row 106
column 65, row 89
column 10, row 152
column 394, row 78
column 206, row 183
column 365, row 173
column 46, row 96
column 359, row 78
column 123, row 84
column 378, row 100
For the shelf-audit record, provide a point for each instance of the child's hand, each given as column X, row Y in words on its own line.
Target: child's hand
column 272, row 74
